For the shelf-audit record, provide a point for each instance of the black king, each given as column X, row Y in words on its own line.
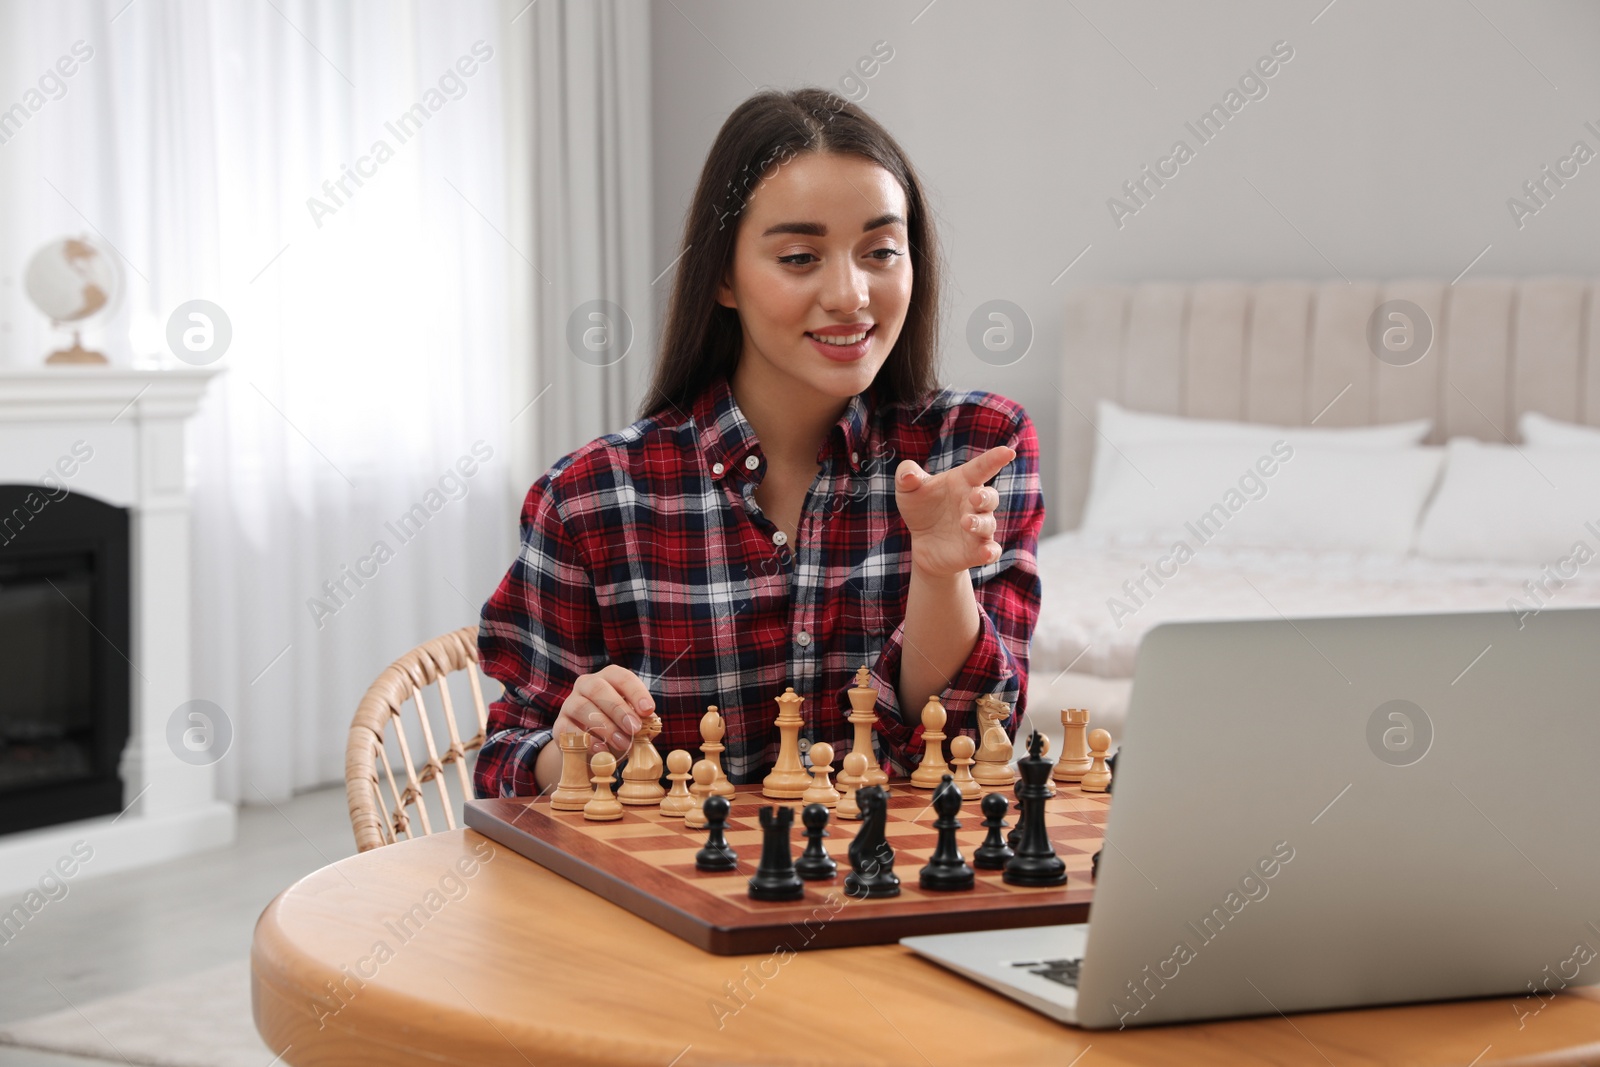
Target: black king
column 1036, row 862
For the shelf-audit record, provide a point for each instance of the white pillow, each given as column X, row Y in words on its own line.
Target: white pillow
column 1516, row 505
column 1125, row 429
column 1290, row 494
column 1542, row 430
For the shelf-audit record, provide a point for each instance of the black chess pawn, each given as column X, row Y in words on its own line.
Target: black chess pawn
column 718, row 855
column 1015, row 836
column 947, row 869
column 993, row 853
column 775, row 877
column 1036, row 862
column 814, row 863
column 1111, row 765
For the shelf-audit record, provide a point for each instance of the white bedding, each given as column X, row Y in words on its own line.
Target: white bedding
column 1080, row 572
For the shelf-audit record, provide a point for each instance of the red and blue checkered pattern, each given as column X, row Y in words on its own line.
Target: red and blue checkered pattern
column 646, row 548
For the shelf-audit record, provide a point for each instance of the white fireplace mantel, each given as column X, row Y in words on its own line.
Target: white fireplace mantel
column 133, row 424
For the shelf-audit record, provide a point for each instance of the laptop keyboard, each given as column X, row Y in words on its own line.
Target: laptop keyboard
column 1063, row 971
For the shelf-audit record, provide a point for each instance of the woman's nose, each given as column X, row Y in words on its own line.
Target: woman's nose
column 845, row 289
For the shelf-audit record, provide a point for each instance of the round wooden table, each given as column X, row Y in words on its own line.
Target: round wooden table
column 452, row 949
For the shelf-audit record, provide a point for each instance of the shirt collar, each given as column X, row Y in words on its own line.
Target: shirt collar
column 852, row 428
column 726, row 438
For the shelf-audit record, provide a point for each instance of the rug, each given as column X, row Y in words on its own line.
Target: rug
column 201, row 1020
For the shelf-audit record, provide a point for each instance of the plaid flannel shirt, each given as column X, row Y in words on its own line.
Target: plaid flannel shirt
column 646, row 548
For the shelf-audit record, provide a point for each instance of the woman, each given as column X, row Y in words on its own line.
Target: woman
column 798, row 497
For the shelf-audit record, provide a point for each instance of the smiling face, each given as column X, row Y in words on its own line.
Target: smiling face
column 821, row 251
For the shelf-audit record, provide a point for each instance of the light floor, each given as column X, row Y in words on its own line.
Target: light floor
column 133, row 929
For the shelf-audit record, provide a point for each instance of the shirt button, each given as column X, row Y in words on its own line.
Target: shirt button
column 805, row 745
column 855, row 457
column 780, row 538
column 751, row 462
column 802, row 639
column 717, row 468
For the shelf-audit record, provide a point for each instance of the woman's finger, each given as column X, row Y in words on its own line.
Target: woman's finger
column 632, row 689
column 983, row 525
column 599, row 689
column 613, row 710
column 910, row 476
column 590, row 718
column 980, row 468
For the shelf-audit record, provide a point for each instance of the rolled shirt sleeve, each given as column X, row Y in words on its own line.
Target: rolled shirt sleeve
column 538, row 631
column 1008, row 594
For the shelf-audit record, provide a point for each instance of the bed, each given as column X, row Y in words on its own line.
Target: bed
column 1297, row 354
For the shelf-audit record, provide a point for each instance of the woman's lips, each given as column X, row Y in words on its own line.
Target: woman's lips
column 845, row 353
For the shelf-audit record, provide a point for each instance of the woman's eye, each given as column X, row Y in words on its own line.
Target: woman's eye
column 882, row 255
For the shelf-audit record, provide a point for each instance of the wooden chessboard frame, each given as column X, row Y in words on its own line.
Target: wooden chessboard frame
column 687, row 903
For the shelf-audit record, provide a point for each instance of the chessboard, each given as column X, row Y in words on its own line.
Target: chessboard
column 644, row 862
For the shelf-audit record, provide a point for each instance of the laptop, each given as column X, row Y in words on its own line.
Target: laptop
column 1334, row 812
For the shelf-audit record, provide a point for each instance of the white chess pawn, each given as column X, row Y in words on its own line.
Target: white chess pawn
column 961, row 750
column 603, row 806
column 705, row 776
column 677, row 801
column 931, row 771
column 821, row 790
column 843, row 781
column 855, row 771
column 1098, row 777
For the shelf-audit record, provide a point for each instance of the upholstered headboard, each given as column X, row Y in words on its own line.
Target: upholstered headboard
column 1293, row 352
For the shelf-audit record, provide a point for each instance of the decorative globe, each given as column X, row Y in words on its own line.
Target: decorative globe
column 72, row 281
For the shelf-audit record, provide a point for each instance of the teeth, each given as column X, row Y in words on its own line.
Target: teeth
column 849, row 339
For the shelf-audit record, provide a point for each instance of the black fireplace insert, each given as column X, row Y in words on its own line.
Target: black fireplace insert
column 64, row 638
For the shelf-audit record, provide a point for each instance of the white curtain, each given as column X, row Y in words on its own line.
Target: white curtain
column 580, row 110
column 360, row 464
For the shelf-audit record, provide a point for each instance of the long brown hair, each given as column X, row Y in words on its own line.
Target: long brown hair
column 702, row 338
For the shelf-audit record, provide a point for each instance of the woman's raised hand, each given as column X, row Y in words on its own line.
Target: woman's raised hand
column 951, row 515
column 608, row 705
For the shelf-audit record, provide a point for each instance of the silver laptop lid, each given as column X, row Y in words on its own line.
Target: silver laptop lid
column 1318, row 813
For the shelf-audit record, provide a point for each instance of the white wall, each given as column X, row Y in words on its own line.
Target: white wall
column 1387, row 146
